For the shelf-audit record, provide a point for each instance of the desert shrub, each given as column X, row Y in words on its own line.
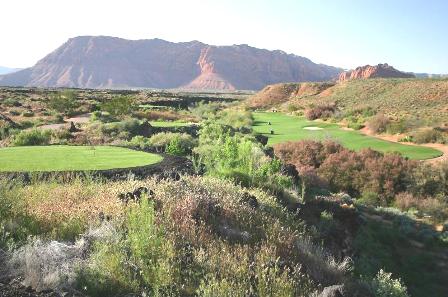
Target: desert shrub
column 28, row 114
column 238, row 157
column 164, row 115
column 405, row 201
column 206, row 110
column 349, row 171
column 236, row 118
column 398, row 127
column 98, row 132
column 32, row 137
column 369, row 198
column 323, row 111
column 306, row 152
column 11, row 102
column 292, row 108
column 360, row 111
column 321, row 265
column 14, row 112
column 140, row 142
column 60, row 136
column 430, row 180
column 138, row 260
column 100, row 116
column 63, row 102
column 173, row 143
column 355, row 123
column 234, row 279
column 429, row 136
column 118, row 106
column 6, row 130
column 367, row 170
column 383, row 285
column 378, row 123
column 15, row 223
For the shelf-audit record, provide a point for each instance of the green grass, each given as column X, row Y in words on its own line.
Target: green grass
column 169, row 124
column 290, row 128
column 71, row 158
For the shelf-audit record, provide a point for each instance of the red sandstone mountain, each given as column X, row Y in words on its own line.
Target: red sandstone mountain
column 108, row 62
column 380, row 70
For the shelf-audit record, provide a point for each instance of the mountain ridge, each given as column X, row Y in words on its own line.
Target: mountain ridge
column 112, row 62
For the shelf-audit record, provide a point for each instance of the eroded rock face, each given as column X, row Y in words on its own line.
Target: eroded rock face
column 109, row 62
column 380, row 70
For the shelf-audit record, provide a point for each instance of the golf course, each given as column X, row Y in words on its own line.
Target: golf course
column 72, row 158
column 292, row 128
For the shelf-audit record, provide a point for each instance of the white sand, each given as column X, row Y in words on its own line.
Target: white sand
column 313, row 128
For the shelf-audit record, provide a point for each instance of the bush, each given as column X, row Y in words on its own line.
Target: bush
column 238, row 158
column 63, row 102
column 236, row 118
column 32, row 137
column 429, row 136
column 378, row 123
column 140, row 142
column 369, row 198
column 206, row 110
column 118, row 106
column 320, row 112
column 173, row 143
column 398, row 127
column 348, row 171
column 385, row 286
column 12, row 102
column 28, row 114
column 140, row 259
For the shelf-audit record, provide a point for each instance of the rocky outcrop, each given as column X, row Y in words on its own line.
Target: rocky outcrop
column 109, row 62
column 380, row 70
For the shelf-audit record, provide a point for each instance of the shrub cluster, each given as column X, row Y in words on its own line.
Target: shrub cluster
column 238, row 157
column 32, row 137
column 429, row 135
column 349, row 171
column 323, row 111
column 378, row 123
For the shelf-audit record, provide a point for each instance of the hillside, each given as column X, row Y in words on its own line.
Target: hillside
column 109, row 62
column 6, row 70
column 426, row 99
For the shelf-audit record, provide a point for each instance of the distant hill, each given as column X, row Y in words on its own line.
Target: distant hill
column 424, row 99
column 430, row 75
column 380, row 70
column 6, row 70
column 109, row 62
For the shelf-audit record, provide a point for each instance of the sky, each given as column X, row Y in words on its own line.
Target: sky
column 411, row 35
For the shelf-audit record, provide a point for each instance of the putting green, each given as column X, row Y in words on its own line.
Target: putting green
column 291, row 128
column 71, row 158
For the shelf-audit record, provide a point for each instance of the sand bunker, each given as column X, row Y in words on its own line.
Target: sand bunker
column 313, row 128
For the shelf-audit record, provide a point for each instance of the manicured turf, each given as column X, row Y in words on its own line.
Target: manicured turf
column 290, row 128
column 76, row 158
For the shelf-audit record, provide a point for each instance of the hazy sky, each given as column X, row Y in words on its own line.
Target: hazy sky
column 408, row 34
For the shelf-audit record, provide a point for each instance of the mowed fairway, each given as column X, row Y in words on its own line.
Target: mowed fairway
column 291, row 128
column 71, row 158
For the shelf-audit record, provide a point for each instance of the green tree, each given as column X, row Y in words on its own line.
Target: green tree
column 63, row 102
column 118, row 106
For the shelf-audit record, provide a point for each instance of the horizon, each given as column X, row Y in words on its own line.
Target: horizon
column 405, row 34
